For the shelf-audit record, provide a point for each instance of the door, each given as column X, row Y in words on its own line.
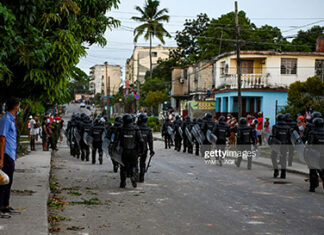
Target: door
column 247, row 66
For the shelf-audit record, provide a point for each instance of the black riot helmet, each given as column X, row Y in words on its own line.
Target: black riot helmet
column 280, row 117
column 208, row 115
column 83, row 115
column 318, row 122
column 142, row 118
column 242, row 121
column 316, row 115
column 127, row 119
column 288, row 117
column 188, row 118
column 118, row 119
column 178, row 117
column 199, row 120
column 194, row 120
column 221, row 119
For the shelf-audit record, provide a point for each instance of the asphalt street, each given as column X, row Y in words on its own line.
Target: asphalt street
column 182, row 195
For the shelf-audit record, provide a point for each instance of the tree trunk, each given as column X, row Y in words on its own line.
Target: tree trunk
column 151, row 56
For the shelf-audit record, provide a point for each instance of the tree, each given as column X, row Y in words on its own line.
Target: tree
column 307, row 39
column 153, row 98
column 152, row 26
column 42, row 41
column 187, row 39
column 302, row 94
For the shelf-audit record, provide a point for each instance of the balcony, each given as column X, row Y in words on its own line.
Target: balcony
column 229, row 81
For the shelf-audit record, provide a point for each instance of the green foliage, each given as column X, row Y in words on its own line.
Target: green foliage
column 308, row 38
column 42, row 41
column 153, row 122
column 302, row 94
column 153, row 98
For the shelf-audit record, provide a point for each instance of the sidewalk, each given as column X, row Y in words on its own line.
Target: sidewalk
column 296, row 167
column 29, row 195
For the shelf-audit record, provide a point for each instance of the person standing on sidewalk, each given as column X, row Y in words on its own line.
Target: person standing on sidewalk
column 8, row 153
column 33, row 132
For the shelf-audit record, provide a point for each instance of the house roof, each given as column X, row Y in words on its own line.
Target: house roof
column 273, row 53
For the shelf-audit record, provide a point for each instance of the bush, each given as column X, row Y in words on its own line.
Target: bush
column 153, row 122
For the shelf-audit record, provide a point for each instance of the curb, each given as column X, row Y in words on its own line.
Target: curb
column 294, row 171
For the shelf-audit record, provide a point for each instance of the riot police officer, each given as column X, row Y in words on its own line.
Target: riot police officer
column 178, row 135
column 316, row 139
column 187, row 124
column 292, row 127
column 280, row 139
column 85, row 128
column 96, row 132
column 131, row 141
column 207, row 124
column 222, row 131
column 111, row 135
column 244, row 142
column 147, row 135
column 165, row 133
column 196, row 143
column 309, row 125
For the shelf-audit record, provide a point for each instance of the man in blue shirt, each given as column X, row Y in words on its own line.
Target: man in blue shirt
column 8, row 153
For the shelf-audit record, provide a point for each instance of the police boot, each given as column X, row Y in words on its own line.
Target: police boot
column 100, row 159
column 238, row 161
column 283, row 174
column 133, row 180
column 249, row 165
column 82, row 155
column 93, row 159
column 275, row 173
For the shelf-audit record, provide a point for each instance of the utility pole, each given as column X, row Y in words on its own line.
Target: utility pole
column 108, row 90
column 238, row 52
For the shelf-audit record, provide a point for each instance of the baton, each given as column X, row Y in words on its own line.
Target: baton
column 149, row 163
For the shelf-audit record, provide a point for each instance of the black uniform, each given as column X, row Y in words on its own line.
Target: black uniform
column 292, row 127
column 97, row 131
column 186, row 143
column 207, row 124
column 165, row 134
column 281, row 138
column 85, row 149
column 178, row 138
column 244, row 142
column 131, row 141
column 148, row 144
column 316, row 139
column 222, row 131
column 112, row 135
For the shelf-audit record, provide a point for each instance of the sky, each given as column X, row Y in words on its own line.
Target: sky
column 289, row 15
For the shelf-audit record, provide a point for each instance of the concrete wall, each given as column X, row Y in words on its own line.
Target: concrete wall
column 100, row 80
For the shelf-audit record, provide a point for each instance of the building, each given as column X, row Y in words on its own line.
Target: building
column 191, row 91
column 139, row 63
column 266, row 76
column 101, row 75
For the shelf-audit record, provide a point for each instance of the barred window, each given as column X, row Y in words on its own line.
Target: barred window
column 319, row 68
column 288, row 66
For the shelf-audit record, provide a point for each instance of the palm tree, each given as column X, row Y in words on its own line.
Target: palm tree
column 152, row 26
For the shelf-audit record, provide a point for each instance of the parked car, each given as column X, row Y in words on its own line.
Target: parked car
column 82, row 105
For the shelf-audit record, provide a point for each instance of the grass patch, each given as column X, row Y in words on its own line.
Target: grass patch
column 74, row 192
column 55, row 203
column 57, row 218
column 92, row 201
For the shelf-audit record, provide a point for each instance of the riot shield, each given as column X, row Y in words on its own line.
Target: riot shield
column 171, row 132
column 68, row 141
column 85, row 135
column 105, row 146
column 180, row 132
column 117, row 154
column 298, row 145
column 89, row 140
column 77, row 136
column 274, row 144
column 312, row 157
column 197, row 133
column 211, row 137
column 189, row 136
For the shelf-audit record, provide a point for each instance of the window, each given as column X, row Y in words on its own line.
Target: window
column 288, row 66
column 319, row 69
column 154, row 54
column 223, row 68
column 247, row 66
